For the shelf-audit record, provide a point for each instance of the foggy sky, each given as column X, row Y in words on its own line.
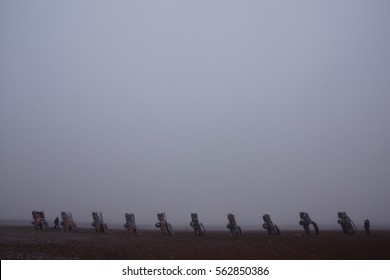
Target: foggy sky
column 249, row 107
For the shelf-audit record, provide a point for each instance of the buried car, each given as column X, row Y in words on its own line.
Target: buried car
column 346, row 223
column 196, row 225
column 130, row 224
column 67, row 221
column 306, row 222
column 98, row 222
column 232, row 225
column 165, row 227
column 39, row 222
column 270, row 226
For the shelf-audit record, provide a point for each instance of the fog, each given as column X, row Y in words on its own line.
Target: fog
column 248, row 107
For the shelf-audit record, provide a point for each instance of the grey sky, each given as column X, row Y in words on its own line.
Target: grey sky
column 248, row 107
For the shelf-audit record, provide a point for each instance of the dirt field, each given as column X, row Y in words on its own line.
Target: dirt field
column 23, row 242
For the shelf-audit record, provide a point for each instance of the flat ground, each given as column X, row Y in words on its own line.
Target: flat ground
column 23, row 242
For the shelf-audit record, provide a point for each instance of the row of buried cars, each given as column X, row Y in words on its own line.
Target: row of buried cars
column 39, row 222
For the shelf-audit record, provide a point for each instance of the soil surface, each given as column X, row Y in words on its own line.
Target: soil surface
column 23, row 242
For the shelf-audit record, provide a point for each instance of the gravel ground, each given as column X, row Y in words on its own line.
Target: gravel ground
column 23, row 242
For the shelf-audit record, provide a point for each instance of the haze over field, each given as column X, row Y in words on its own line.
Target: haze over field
column 248, row 107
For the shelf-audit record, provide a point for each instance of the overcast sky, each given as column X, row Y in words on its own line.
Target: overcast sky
column 249, row 107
